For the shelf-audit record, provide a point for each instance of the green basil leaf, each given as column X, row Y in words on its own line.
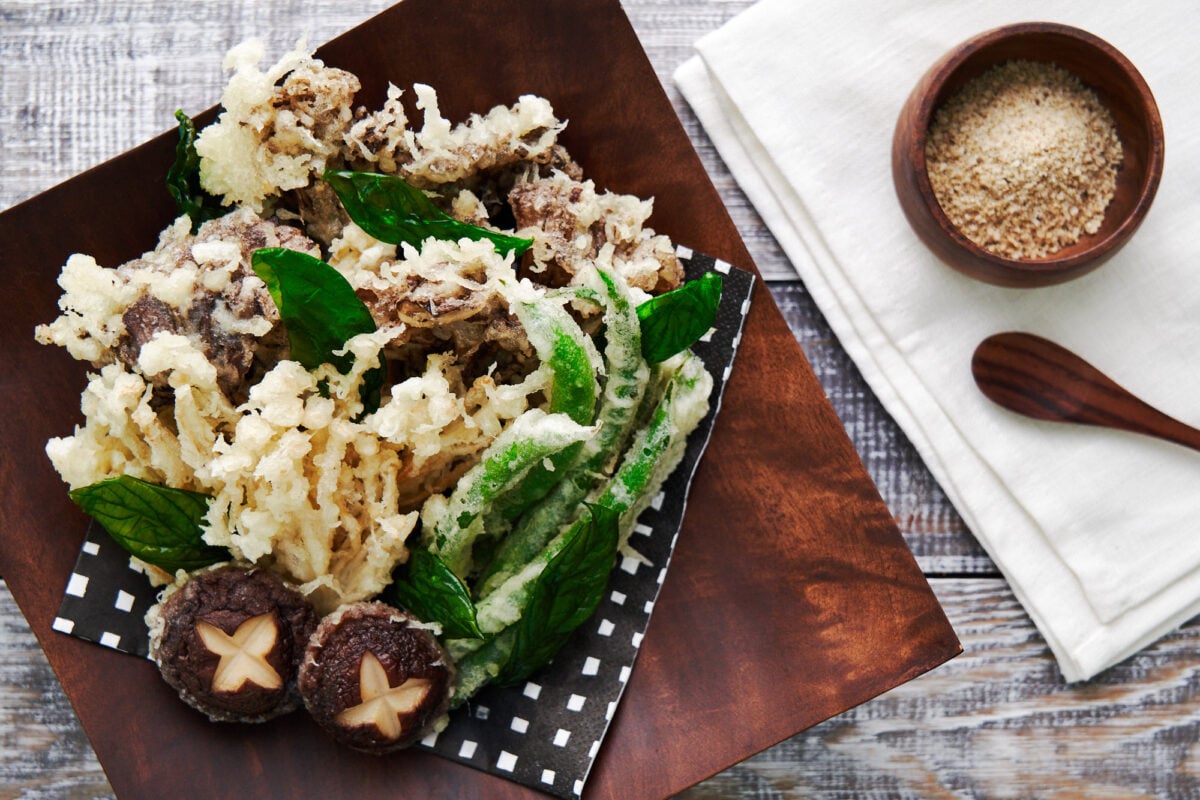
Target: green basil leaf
column 183, row 178
column 673, row 321
column 158, row 524
column 564, row 595
column 320, row 310
column 392, row 211
column 432, row 592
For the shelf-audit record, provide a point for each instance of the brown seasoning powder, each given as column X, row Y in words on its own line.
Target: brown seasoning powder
column 1024, row 159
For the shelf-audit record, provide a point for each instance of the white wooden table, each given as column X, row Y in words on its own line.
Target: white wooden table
column 83, row 80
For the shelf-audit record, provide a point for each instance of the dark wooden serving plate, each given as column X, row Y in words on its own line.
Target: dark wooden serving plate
column 791, row 596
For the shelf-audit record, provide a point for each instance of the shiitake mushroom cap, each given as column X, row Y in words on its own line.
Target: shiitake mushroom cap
column 375, row 678
column 230, row 641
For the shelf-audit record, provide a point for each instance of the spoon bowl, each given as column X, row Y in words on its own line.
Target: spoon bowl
column 1040, row 379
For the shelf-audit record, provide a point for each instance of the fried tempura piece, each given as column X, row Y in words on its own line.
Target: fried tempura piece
column 279, row 128
column 570, row 221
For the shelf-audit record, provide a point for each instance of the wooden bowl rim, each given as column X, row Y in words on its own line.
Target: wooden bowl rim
column 949, row 64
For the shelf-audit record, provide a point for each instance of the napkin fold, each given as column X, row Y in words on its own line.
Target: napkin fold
column 1096, row 531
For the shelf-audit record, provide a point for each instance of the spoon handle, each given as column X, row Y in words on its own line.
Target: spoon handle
column 1040, row 379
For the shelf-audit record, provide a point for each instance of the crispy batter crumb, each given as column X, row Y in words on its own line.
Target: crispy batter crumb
column 278, row 128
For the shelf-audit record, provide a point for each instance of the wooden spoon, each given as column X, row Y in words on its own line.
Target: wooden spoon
column 1040, row 379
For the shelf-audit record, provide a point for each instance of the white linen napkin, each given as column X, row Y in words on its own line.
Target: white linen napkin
column 1096, row 531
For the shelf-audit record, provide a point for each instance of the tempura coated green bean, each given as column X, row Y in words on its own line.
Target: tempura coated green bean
column 574, row 364
column 627, row 377
column 654, row 452
column 453, row 526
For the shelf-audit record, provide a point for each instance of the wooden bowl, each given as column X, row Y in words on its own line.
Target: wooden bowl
column 1119, row 87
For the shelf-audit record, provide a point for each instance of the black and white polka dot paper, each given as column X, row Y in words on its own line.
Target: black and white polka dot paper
column 546, row 733
column 106, row 598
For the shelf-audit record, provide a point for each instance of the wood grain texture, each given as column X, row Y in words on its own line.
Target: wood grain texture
column 1119, row 86
column 74, row 66
column 1041, row 379
column 44, row 753
column 998, row 722
column 863, row 585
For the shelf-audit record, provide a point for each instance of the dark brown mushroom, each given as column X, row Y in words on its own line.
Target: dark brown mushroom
column 230, row 640
column 375, row 678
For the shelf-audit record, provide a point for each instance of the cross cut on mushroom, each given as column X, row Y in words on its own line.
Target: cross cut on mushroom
column 229, row 640
column 243, row 655
column 383, row 704
column 375, row 678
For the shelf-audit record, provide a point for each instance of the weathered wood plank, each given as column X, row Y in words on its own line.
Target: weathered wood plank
column 85, row 80
column 999, row 722
column 44, row 752
column 996, row 722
